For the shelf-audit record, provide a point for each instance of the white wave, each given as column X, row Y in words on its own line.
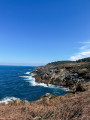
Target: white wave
column 6, row 100
column 32, row 82
column 66, row 89
column 27, row 73
column 53, row 86
column 24, row 76
column 32, row 74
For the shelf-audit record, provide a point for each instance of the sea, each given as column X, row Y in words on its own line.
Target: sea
column 17, row 82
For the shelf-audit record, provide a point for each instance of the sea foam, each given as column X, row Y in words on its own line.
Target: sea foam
column 6, row 100
column 32, row 82
column 27, row 73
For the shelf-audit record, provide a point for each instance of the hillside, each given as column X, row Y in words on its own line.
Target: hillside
column 84, row 60
column 60, row 62
column 68, row 61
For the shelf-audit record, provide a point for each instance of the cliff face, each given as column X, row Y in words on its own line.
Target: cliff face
column 70, row 75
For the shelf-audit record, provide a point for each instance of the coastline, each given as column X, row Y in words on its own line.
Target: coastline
column 45, row 84
column 58, row 76
column 70, row 75
column 73, row 105
column 33, row 82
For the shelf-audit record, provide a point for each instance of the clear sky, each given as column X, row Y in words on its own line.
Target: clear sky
column 35, row 32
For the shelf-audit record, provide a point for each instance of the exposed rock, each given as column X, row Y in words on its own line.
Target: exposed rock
column 79, row 88
column 67, row 75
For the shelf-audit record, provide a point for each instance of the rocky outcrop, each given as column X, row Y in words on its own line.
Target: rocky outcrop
column 67, row 75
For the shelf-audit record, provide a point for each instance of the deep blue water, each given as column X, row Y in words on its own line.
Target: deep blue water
column 16, row 82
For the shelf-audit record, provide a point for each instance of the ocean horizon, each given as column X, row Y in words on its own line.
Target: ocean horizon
column 16, row 82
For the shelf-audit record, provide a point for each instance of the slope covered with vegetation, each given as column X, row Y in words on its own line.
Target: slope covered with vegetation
column 84, row 60
column 60, row 62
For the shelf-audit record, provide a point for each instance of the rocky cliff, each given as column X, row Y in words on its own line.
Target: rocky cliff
column 70, row 75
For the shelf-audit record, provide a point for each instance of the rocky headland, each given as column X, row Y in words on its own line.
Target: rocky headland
column 69, row 74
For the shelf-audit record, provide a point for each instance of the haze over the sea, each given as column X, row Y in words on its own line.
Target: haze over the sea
column 35, row 32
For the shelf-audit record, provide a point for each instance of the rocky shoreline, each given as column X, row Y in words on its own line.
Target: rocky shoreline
column 69, row 75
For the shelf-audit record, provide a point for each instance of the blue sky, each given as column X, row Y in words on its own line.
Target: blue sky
column 35, row 32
